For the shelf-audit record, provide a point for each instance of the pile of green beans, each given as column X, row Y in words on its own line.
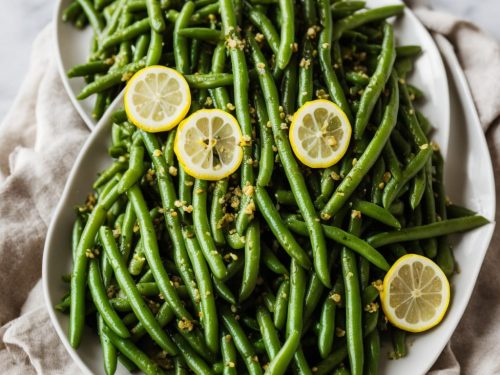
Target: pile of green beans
column 276, row 268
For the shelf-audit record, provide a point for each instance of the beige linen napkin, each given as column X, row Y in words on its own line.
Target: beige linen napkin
column 39, row 140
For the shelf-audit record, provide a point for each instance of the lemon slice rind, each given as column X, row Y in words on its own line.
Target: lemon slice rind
column 202, row 135
column 320, row 146
column 153, row 104
column 410, row 307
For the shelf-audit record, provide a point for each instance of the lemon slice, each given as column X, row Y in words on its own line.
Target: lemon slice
column 416, row 293
column 207, row 144
column 157, row 98
column 320, row 133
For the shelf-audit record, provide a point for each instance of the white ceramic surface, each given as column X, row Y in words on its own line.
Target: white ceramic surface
column 466, row 152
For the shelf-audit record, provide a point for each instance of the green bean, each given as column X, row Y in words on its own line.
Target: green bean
column 269, row 300
column 241, row 342
column 207, row 10
column 272, row 262
column 109, row 356
column 204, row 282
column 79, row 274
column 455, row 211
column 220, row 94
column 377, row 82
column 285, row 197
column 141, row 47
column 127, row 363
column 152, row 253
column 193, row 360
column 180, row 366
column 268, row 332
column 155, row 15
column 282, row 234
column 367, row 16
column 72, row 11
column 94, row 18
column 346, row 8
column 75, row 236
column 399, row 343
column 391, row 160
column 324, row 50
column 400, row 143
column 109, row 80
column 217, row 211
column 417, row 189
column 266, row 161
column 376, row 212
column 153, row 55
column 82, row 21
column 313, row 294
column 326, row 327
column 287, row 37
column 132, row 352
column 289, row 86
column 424, row 122
column 363, row 248
column 368, row 158
column 127, row 33
column 300, row 363
column 281, row 305
column 408, row 51
column 202, row 230
column 135, row 169
column 164, row 316
column 181, row 52
column 265, row 26
column 333, row 360
column 421, row 232
column 252, row 260
column 201, row 33
column 99, row 105
column 430, row 245
column 223, row 291
column 280, row 362
column 306, row 72
column 358, row 78
column 235, row 241
column 228, row 354
column 109, row 173
column 209, row 80
column 134, row 297
column 89, row 68
column 99, row 296
column 354, row 333
column 296, row 299
column 372, row 353
column 292, row 171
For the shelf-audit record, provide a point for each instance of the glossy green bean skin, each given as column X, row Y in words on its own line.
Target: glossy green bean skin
column 152, row 253
column 164, row 316
column 141, row 47
column 376, row 212
column 292, row 171
column 92, row 15
column 369, row 156
column 266, row 161
column 135, row 169
column 181, row 51
column 268, row 331
column 134, row 297
column 88, row 68
column 363, row 248
column 252, row 260
column 132, row 352
column 377, row 82
column 109, row 355
column 79, row 275
column 209, row 80
column 296, row 299
column 272, row 262
column 217, row 211
column 241, row 342
column 282, row 234
column 306, row 73
column 324, row 50
column 436, row 229
column 228, row 354
column 333, row 360
column 279, row 363
column 327, row 327
column 100, row 298
column 153, row 55
column 430, row 245
column 223, row 291
column 220, row 94
column 287, row 37
column 127, row 33
column 266, row 27
column 192, row 359
column 372, row 353
column 354, row 310
column 361, row 18
column 155, row 15
column 281, row 305
column 202, row 230
column 204, row 282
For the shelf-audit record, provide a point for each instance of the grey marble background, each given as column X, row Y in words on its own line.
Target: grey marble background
column 21, row 20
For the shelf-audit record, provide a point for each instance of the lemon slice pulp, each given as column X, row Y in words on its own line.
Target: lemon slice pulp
column 416, row 293
column 207, row 144
column 320, row 133
column 157, row 98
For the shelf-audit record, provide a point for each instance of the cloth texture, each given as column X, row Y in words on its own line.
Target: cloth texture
column 41, row 137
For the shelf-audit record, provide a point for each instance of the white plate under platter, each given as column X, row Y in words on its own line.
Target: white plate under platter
column 466, row 184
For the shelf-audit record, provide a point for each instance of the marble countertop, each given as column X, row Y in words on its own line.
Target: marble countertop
column 23, row 19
